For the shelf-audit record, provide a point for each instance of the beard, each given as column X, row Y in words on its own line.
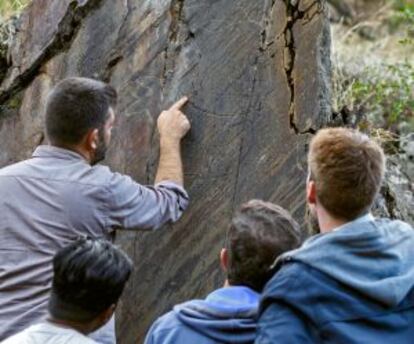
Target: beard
column 100, row 151
column 312, row 221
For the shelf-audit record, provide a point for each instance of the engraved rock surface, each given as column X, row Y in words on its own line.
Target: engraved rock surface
column 257, row 74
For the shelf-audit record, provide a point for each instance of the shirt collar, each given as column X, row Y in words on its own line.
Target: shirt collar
column 48, row 151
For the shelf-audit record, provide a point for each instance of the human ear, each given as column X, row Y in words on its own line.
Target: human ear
column 224, row 259
column 93, row 139
column 311, row 192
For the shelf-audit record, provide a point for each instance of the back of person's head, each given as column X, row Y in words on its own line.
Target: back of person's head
column 347, row 169
column 258, row 234
column 75, row 106
column 89, row 277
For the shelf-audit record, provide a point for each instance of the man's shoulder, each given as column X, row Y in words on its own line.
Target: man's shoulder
column 297, row 281
column 167, row 322
column 171, row 328
column 13, row 169
column 103, row 172
column 302, row 288
column 46, row 334
column 167, row 328
column 393, row 225
column 289, row 271
column 74, row 172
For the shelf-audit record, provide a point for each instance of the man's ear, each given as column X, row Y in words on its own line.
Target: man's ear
column 92, row 139
column 224, row 259
column 311, row 192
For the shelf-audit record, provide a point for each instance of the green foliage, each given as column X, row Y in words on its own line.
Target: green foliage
column 10, row 7
column 403, row 18
column 403, row 5
column 386, row 92
column 376, row 77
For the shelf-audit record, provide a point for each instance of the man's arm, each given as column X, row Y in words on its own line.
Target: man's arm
column 134, row 206
column 172, row 126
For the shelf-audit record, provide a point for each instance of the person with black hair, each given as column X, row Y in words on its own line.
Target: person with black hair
column 61, row 193
column 258, row 234
column 89, row 277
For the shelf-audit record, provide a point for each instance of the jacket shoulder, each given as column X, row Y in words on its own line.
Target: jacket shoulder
column 311, row 292
column 291, row 273
column 164, row 329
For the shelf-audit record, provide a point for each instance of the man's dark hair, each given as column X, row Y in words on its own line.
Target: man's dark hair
column 259, row 233
column 89, row 277
column 75, row 106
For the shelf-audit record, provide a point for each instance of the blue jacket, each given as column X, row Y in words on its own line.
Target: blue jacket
column 353, row 285
column 228, row 315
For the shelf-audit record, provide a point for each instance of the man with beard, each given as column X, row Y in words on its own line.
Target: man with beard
column 59, row 194
column 353, row 282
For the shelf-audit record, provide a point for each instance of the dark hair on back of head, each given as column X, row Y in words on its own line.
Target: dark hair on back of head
column 89, row 276
column 259, row 233
column 75, row 106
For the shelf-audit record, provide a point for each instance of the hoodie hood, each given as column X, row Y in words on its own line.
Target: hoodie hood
column 373, row 256
column 227, row 315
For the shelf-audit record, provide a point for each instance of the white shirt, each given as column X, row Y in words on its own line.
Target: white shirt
column 47, row 333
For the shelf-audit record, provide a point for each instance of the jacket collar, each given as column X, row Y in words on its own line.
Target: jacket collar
column 364, row 218
column 234, row 295
column 316, row 238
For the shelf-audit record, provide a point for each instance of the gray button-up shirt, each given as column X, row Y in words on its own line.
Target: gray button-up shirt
column 47, row 202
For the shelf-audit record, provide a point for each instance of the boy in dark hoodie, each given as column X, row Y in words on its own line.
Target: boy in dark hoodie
column 354, row 282
column 259, row 233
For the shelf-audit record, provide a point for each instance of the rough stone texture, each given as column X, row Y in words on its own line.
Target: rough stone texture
column 396, row 199
column 257, row 74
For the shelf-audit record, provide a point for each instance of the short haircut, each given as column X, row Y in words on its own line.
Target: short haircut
column 89, row 276
column 347, row 168
column 75, row 106
column 258, row 234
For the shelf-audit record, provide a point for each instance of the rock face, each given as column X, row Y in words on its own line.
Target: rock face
column 257, row 75
column 396, row 199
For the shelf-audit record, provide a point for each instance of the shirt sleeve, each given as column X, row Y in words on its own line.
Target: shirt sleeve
column 134, row 206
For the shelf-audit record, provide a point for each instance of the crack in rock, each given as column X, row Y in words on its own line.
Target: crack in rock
column 289, row 59
column 116, row 56
column 294, row 14
column 175, row 40
column 265, row 42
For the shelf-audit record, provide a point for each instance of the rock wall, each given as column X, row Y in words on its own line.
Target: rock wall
column 257, row 75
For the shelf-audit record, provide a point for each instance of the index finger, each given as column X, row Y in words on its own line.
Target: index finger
column 179, row 104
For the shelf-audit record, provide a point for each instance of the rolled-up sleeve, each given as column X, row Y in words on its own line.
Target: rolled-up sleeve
column 134, row 206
